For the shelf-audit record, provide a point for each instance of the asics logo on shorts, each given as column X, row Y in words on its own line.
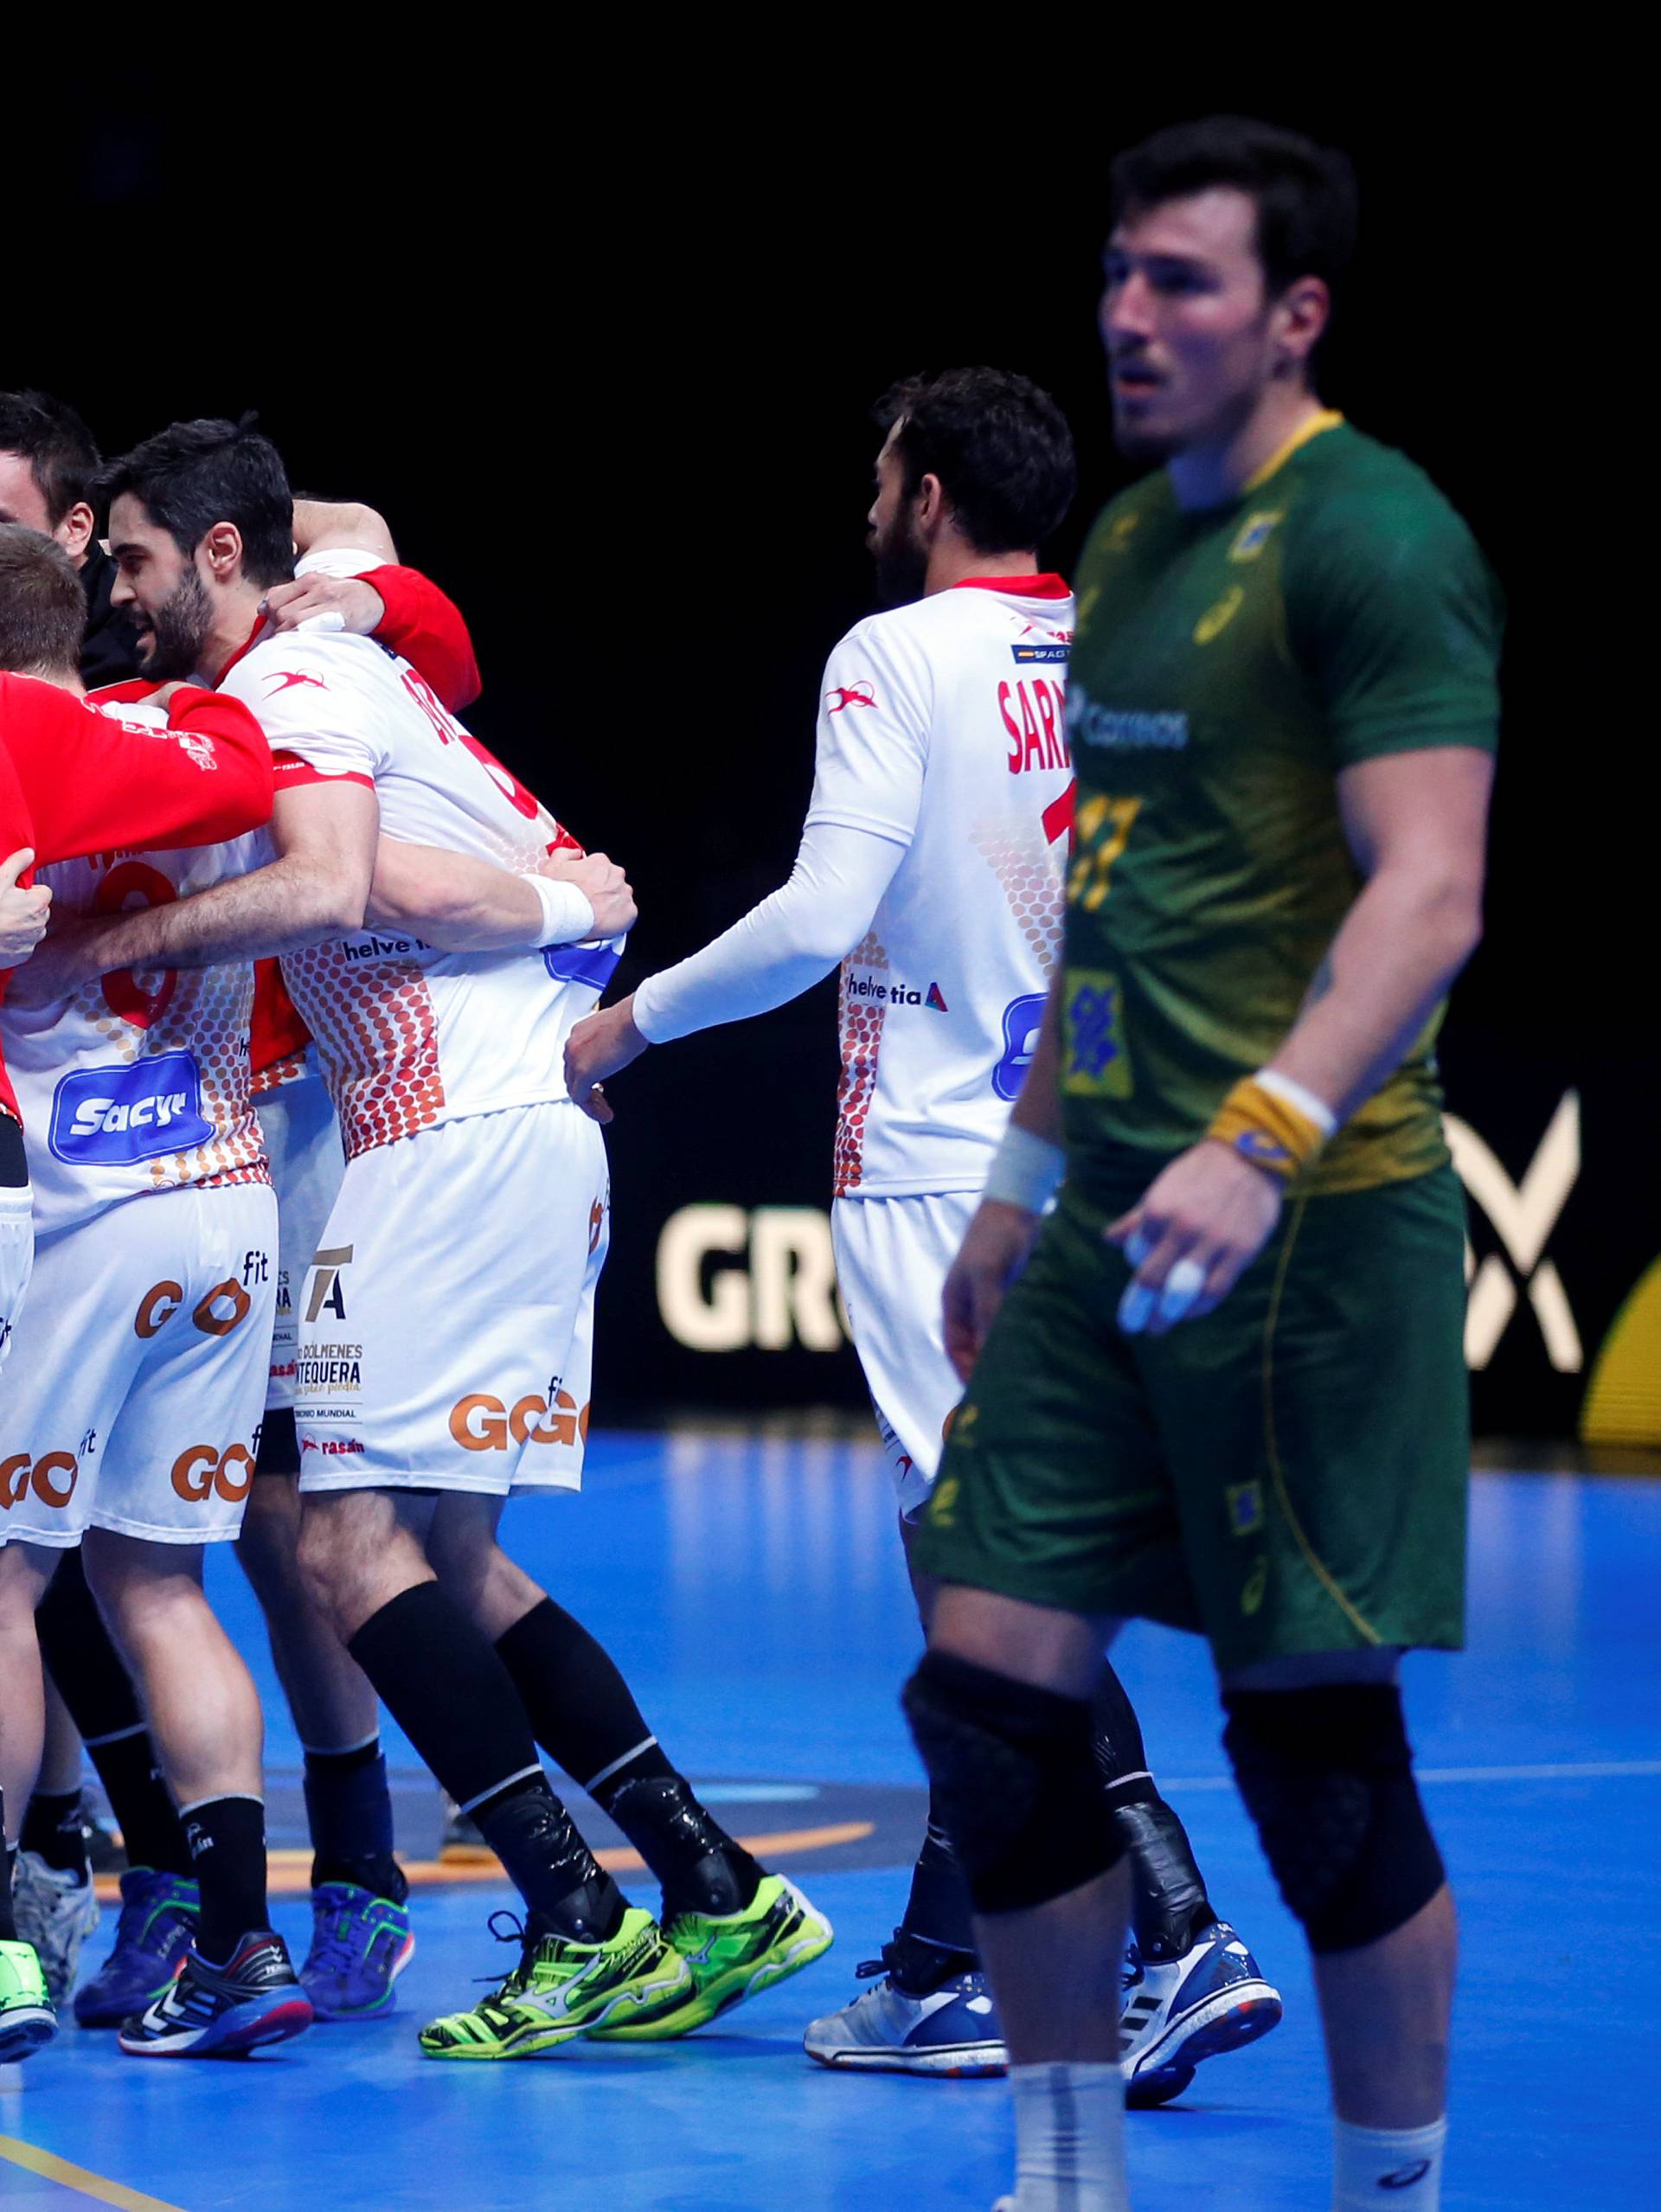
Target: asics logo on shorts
column 114, row 1115
column 52, row 1478
column 481, row 1423
column 200, row 1472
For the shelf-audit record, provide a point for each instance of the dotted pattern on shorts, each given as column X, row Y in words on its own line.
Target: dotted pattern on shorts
column 1030, row 876
column 377, row 1034
column 860, row 1021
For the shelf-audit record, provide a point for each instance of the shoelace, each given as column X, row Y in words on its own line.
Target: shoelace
column 515, row 1931
column 332, row 1949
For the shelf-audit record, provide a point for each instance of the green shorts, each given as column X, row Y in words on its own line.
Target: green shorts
column 1289, row 1474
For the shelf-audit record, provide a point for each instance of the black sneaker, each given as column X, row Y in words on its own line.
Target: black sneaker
column 220, row 2011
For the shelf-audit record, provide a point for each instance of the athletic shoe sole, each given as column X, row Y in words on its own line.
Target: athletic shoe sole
column 945, row 2061
column 23, row 2031
column 382, row 2003
column 245, row 2027
column 1227, row 2022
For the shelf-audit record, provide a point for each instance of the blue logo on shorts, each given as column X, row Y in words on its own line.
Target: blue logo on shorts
column 594, row 965
column 1022, row 1020
column 111, row 1116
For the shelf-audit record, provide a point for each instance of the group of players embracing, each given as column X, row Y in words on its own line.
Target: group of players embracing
column 1187, row 866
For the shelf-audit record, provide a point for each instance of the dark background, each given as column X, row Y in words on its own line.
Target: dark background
column 604, row 355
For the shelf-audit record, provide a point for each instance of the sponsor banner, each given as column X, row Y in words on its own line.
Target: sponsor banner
column 138, row 1110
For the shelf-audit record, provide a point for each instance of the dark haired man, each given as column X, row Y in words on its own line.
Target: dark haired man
column 73, row 780
column 48, row 463
column 1227, row 1392
column 931, row 867
column 445, row 1072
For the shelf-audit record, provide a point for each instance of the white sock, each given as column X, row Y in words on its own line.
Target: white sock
column 1069, row 2138
column 1397, row 2168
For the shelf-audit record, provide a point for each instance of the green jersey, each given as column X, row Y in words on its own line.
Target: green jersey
column 1229, row 663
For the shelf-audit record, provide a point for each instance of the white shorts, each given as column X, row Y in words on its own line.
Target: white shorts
column 16, row 1256
column 446, row 1331
column 303, row 1144
column 892, row 1258
column 133, row 1400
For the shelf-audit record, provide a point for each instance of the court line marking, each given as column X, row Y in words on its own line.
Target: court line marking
column 1591, row 1770
column 50, row 2167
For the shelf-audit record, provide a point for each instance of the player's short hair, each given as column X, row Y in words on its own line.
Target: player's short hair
column 57, row 445
column 195, row 474
column 43, row 607
column 1000, row 446
column 1305, row 194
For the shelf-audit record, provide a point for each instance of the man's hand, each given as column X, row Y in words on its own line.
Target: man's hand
column 59, row 963
column 994, row 1250
column 601, row 1044
column 603, row 883
column 1200, row 1223
column 23, row 914
column 359, row 606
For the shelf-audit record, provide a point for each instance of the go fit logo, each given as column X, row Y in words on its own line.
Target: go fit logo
column 45, row 1476
column 481, row 1423
column 200, row 1472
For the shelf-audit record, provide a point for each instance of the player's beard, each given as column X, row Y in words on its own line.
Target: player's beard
column 179, row 631
column 901, row 560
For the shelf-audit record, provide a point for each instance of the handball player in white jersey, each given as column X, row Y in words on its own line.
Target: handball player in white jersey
column 931, row 868
column 443, row 1336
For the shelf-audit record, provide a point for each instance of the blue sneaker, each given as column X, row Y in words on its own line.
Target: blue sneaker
column 360, row 1945
column 950, row 2028
column 158, row 1918
column 222, row 2012
column 1180, row 2012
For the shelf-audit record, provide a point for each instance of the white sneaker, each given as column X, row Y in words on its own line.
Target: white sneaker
column 951, row 2030
column 56, row 1912
column 1179, row 2012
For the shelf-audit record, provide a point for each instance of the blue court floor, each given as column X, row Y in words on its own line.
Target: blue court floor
column 751, row 1586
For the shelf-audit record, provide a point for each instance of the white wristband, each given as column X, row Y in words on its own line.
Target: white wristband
column 1310, row 1107
column 1025, row 1170
column 567, row 917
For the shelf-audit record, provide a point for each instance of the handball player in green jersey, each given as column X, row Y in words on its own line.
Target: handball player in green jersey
column 1221, row 1383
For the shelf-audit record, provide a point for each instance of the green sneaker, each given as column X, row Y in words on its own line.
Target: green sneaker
column 776, row 1935
column 562, row 1989
column 27, row 2019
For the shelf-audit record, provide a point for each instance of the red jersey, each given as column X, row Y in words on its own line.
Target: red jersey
column 74, row 781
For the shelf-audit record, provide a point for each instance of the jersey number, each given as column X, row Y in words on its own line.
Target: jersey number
column 123, row 994
column 451, row 733
column 1103, row 827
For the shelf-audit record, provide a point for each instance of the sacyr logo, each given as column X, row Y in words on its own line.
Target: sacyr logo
column 114, row 1117
column 1022, row 1019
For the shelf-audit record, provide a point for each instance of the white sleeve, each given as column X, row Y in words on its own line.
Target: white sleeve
column 873, row 735
column 781, row 946
column 306, row 703
column 337, row 561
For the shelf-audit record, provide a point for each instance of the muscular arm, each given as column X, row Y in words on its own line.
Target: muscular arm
column 1416, row 822
column 464, row 905
column 332, row 525
column 316, row 889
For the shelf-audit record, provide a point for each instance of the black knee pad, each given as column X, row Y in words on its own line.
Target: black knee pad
column 1327, row 1775
column 1014, row 1781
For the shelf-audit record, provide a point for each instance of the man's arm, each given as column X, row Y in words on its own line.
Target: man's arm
column 341, row 525
column 316, row 888
column 1416, row 822
column 463, row 905
column 377, row 597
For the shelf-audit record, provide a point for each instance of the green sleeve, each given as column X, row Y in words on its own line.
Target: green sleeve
column 1397, row 618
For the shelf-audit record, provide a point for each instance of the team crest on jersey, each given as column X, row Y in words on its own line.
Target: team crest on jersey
column 1254, row 533
column 112, row 1116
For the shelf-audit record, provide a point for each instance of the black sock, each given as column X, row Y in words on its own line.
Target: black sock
column 151, row 1832
column 582, row 1711
column 51, row 1829
column 445, row 1685
column 936, row 1936
column 1169, row 1906
column 348, row 1810
column 226, row 1837
column 7, row 1924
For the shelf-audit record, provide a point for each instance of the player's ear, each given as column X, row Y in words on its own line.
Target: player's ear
column 74, row 532
column 1300, row 316
column 931, row 505
column 222, row 551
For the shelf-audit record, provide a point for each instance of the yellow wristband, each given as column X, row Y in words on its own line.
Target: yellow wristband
column 1266, row 1130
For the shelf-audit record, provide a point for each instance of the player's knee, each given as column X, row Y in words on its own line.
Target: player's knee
column 1327, row 1775
column 1013, row 1775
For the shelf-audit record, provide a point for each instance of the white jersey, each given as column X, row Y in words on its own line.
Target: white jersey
column 409, row 1037
column 138, row 1082
column 942, row 728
